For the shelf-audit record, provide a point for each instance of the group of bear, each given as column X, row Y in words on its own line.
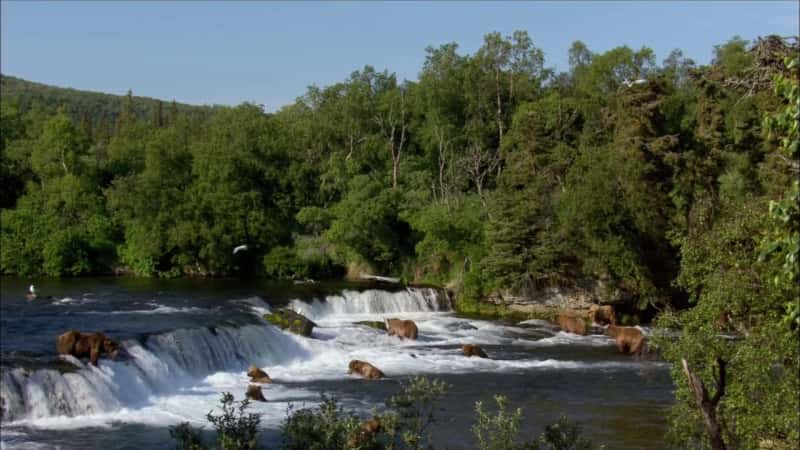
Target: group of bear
column 629, row 340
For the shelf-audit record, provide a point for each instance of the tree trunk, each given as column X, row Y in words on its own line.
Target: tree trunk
column 442, row 166
column 499, row 107
column 708, row 406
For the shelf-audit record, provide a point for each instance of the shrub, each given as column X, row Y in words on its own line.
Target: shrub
column 500, row 431
column 235, row 428
column 325, row 427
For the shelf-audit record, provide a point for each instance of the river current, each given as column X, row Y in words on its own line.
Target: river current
column 187, row 341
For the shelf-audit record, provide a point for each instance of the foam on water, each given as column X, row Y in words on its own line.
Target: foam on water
column 365, row 305
column 69, row 301
column 256, row 305
column 162, row 364
column 158, row 309
column 177, row 376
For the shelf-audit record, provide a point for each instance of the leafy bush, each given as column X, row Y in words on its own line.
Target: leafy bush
column 500, row 431
column 235, row 428
column 496, row 432
column 325, row 427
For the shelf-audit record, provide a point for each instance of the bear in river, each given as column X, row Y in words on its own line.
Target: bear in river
column 405, row 329
column 365, row 369
column 81, row 345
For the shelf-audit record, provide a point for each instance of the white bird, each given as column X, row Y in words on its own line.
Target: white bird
column 239, row 248
column 31, row 289
column 629, row 83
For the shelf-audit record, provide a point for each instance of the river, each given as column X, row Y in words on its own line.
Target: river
column 187, row 341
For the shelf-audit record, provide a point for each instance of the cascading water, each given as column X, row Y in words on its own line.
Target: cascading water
column 168, row 362
column 375, row 302
column 181, row 350
column 163, row 363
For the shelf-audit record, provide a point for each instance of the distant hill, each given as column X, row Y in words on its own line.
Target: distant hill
column 102, row 109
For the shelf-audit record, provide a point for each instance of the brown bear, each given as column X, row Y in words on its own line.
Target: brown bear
column 405, row 329
column 257, row 375
column 364, row 437
column 602, row 315
column 629, row 340
column 473, row 350
column 254, row 393
column 371, row 426
column 92, row 345
column 571, row 323
column 365, row 369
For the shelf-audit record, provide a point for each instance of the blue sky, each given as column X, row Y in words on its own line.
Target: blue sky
column 268, row 52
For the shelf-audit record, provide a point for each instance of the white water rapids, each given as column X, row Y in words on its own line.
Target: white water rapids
column 178, row 376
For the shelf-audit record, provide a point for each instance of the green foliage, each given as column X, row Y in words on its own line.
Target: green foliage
column 782, row 241
column 733, row 265
column 411, row 413
column 499, row 431
column 562, row 435
column 366, row 226
column 452, row 234
column 101, row 109
column 234, row 427
column 324, row 427
column 490, row 174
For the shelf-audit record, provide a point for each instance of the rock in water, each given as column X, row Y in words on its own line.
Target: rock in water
column 373, row 324
column 473, row 350
column 254, row 393
column 289, row 320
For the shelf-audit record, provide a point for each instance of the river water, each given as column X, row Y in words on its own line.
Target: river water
column 187, row 341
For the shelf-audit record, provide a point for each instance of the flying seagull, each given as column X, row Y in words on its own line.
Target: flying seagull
column 239, row 248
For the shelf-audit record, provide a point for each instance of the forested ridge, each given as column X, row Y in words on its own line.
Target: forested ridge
column 670, row 182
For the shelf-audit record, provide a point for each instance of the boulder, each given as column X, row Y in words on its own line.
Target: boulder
column 470, row 350
column 257, row 375
column 365, row 369
column 287, row 319
column 405, row 329
column 254, row 393
column 92, row 345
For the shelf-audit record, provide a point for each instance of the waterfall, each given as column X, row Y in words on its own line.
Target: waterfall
column 170, row 362
column 163, row 363
column 374, row 302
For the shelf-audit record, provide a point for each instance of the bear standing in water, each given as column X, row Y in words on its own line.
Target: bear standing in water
column 92, row 345
column 629, row 340
column 405, row 329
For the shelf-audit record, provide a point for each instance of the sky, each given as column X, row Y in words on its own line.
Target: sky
column 269, row 52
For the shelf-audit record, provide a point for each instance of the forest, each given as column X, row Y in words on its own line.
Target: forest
column 675, row 184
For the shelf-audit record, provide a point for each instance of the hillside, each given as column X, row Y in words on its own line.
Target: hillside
column 101, row 108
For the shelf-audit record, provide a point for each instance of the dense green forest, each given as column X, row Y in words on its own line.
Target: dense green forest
column 675, row 184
